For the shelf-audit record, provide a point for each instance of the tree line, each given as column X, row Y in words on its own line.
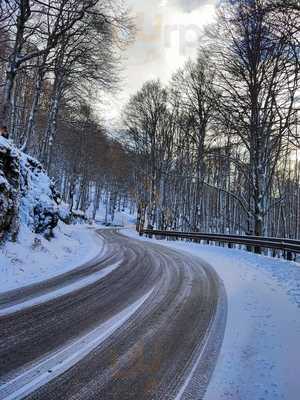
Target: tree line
column 58, row 58
column 216, row 149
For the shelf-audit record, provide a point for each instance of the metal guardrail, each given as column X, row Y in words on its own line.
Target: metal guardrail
column 289, row 247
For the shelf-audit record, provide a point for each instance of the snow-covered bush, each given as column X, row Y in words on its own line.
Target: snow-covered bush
column 27, row 194
column 79, row 217
column 64, row 213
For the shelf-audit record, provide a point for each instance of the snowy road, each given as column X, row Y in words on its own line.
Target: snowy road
column 139, row 322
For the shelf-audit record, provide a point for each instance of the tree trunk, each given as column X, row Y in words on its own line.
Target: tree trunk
column 34, row 106
column 8, row 96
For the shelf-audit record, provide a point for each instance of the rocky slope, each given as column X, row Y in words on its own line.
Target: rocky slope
column 27, row 194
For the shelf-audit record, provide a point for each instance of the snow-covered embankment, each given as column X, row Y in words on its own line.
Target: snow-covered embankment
column 30, row 214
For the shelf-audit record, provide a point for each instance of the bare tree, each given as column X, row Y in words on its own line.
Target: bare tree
column 258, row 77
column 194, row 86
column 146, row 117
column 37, row 28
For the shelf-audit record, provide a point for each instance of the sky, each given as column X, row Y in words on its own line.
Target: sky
column 167, row 36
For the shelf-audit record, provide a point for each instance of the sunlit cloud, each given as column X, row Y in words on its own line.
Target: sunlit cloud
column 167, row 35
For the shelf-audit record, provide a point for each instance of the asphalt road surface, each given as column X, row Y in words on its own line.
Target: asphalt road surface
column 138, row 322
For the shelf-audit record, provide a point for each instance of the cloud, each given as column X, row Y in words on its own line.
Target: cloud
column 191, row 5
column 167, row 36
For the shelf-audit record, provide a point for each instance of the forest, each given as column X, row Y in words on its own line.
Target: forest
column 57, row 60
column 216, row 149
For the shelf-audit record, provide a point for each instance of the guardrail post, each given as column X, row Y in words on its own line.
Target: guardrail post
column 150, row 228
column 289, row 256
column 142, row 224
column 257, row 250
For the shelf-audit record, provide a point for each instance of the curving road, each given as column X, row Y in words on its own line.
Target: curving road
column 138, row 322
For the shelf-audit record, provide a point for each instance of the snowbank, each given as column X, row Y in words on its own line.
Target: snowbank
column 33, row 259
column 260, row 354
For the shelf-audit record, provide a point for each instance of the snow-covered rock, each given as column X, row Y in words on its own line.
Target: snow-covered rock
column 9, row 190
column 64, row 213
column 27, row 194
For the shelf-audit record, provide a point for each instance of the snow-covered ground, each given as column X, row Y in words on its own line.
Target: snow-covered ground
column 32, row 258
column 260, row 355
column 122, row 218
